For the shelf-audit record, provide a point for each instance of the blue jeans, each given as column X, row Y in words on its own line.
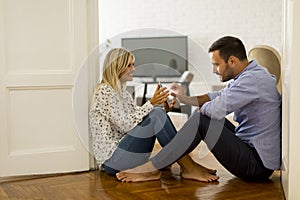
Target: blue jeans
column 137, row 145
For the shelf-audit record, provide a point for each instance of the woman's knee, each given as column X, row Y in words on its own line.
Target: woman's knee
column 158, row 114
column 160, row 119
column 158, row 111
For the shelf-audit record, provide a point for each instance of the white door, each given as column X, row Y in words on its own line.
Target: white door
column 42, row 45
column 290, row 103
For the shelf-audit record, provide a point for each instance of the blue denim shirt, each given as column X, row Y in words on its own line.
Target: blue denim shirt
column 256, row 103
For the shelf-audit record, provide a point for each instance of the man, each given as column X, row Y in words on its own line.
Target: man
column 252, row 150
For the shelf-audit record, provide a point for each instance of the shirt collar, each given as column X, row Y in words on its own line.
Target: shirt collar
column 252, row 64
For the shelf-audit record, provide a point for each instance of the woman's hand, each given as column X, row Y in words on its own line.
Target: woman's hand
column 160, row 96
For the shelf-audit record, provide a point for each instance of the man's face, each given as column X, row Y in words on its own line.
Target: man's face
column 221, row 68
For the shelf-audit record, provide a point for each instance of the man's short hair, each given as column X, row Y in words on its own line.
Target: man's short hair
column 229, row 46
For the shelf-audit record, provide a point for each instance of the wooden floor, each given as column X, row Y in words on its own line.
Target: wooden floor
column 98, row 185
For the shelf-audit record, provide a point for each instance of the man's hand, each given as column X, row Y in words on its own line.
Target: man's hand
column 178, row 92
column 169, row 106
column 177, row 89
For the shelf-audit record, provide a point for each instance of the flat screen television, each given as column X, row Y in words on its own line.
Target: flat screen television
column 158, row 56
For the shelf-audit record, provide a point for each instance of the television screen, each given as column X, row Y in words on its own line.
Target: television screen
column 158, row 56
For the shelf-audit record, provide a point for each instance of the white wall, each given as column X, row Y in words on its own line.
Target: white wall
column 255, row 21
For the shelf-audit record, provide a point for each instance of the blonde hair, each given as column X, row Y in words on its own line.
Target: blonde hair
column 115, row 63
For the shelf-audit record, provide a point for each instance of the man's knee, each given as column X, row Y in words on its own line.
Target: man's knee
column 200, row 116
column 196, row 115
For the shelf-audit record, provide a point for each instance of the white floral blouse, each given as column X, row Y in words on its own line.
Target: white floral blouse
column 111, row 117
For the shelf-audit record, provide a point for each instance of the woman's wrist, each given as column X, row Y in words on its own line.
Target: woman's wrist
column 151, row 101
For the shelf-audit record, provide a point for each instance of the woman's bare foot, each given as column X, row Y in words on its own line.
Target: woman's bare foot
column 125, row 176
column 145, row 172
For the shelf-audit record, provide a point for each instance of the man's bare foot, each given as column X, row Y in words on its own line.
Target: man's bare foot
column 211, row 171
column 192, row 170
column 199, row 173
column 127, row 177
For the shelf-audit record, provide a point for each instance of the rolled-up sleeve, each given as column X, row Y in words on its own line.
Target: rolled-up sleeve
column 213, row 95
column 239, row 93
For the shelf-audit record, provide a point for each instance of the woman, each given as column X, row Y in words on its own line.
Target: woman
column 124, row 133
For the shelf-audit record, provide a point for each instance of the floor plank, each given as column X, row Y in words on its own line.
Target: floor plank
column 98, row 185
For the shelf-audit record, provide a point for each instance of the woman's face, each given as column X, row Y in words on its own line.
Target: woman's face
column 127, row 75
